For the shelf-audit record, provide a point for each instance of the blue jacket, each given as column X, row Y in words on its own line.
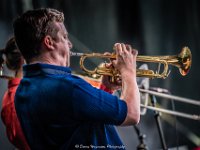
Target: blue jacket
column 58, row 110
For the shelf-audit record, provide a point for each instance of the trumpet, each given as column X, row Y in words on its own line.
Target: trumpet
column 182, row 61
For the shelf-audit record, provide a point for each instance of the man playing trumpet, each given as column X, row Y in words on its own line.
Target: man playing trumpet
column 58, row 110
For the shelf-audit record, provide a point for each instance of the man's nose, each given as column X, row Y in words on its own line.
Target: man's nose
column 70, row 44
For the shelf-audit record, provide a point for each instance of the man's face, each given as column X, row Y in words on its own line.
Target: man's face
column 62, row 42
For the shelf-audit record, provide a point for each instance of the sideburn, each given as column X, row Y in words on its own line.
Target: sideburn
column 53, row 31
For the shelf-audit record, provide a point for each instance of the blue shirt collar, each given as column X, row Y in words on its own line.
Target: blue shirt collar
column 38, row 68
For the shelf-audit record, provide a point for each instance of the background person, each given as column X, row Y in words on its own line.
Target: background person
column 14, row 61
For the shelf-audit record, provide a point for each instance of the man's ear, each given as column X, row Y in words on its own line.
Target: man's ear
column 48, row 42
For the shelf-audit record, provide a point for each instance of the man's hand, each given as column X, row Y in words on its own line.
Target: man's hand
column 125, row 60
column 106, row 80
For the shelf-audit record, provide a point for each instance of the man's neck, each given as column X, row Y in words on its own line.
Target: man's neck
column 49, row 60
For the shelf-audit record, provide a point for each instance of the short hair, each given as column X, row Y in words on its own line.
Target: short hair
column 31, row 27
column 13, row 57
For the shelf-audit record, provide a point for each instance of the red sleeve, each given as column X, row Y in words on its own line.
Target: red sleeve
column 104, row 88
column 197, row 148
column 9, row 116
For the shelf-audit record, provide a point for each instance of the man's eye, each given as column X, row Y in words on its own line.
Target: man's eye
column 65, row 37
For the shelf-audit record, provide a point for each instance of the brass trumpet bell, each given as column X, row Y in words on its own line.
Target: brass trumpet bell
column 184, row 61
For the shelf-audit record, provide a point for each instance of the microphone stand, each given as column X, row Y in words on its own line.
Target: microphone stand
column 141, row 137
column 158, row 123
